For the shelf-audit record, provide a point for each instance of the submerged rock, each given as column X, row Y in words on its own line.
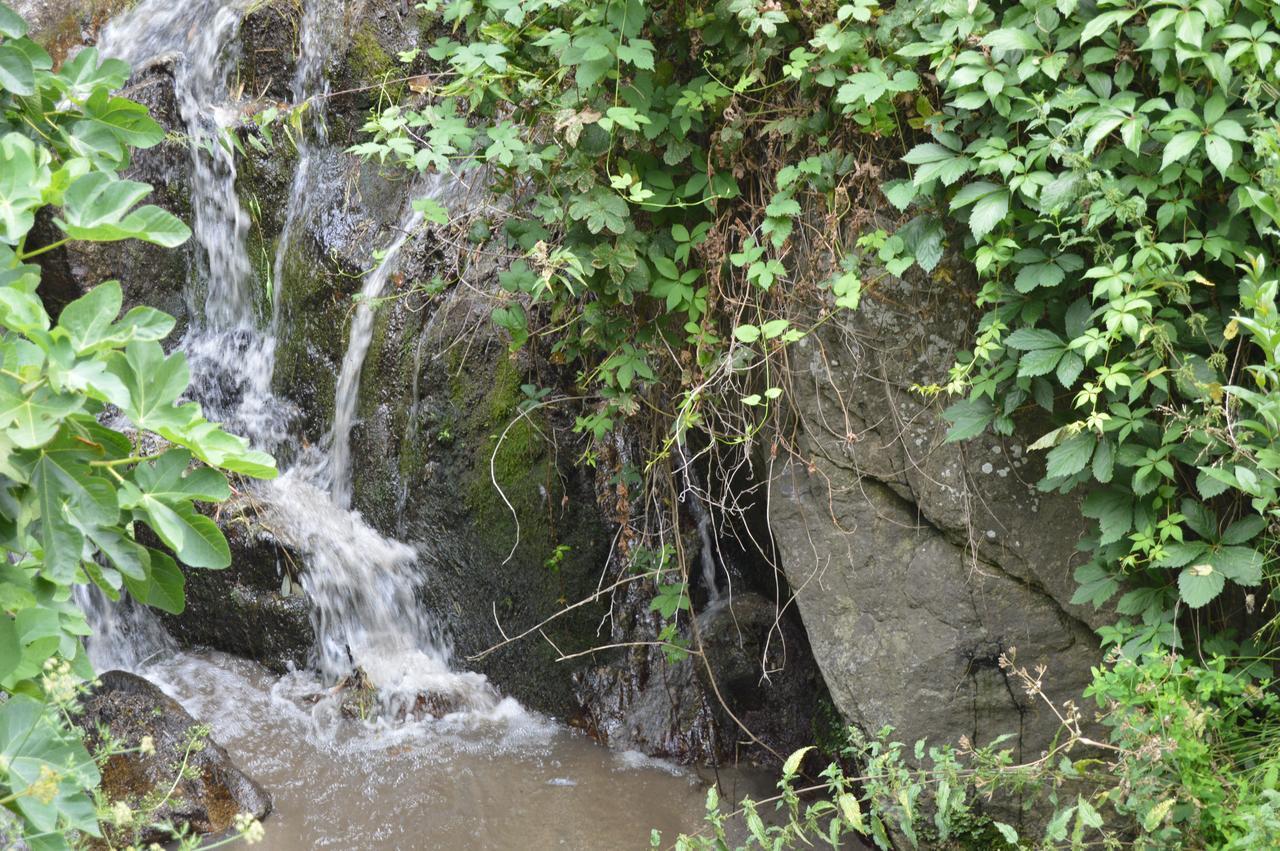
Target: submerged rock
column 208, row 794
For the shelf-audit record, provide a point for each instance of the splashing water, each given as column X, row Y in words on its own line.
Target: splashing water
column 362, row 586
column 232, row 362
column 363, row 591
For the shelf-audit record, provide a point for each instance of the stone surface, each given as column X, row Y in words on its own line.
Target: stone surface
column 917, row 563
column 256, row 608
column 62, row 26
column 209, row 795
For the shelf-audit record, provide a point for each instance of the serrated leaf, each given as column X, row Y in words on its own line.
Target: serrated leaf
column 1200, row 584
column 988, row 212
column 1242, row 565
column 1034, row 339
column 1113, row 509
column 968, row 418
column 1071, row 456
column 1244, row 530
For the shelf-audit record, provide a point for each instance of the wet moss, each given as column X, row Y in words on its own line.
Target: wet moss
column 366, row 57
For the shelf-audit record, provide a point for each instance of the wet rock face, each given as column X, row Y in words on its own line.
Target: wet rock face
column 683, row 711
column 210, row 793
column 61, row 26
column 918, row 563
column 256, row 608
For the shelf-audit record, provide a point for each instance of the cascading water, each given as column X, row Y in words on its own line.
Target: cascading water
column 231, row 360
column 346, row 399
column 319, row 32
column 422, row 781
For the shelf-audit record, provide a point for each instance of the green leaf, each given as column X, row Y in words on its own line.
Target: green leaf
column 792, row 764
column 1071, row 456
column 1101, row 23
column 11, row 23
column 1244, row 530
column 98, row 207
column 968, row 418
column 35, row 745
column 1113, row 509
column 601, row 209
column 1011, row 39
column 23, row 177
column 1034, row 339
column 1179, row 146
column 1007, row 833
column 17, row 74
column 1219, row 151
column 1242, row 565
column 10, row 648
column 1199, row 584
column 168, row 479
column 163, row 586
column 194, row 538
column 988, row 212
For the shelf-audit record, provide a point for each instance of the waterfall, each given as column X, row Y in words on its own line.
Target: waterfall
column 362, row 586
column 347, row 396
column 320, row 29
column 126, row 636
column 231, row 360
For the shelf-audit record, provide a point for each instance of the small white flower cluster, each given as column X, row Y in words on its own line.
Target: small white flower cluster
column 58, row 682
column 249, row 828
column 121, row 814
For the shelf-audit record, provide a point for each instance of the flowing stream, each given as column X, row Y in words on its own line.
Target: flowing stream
column 440, row 759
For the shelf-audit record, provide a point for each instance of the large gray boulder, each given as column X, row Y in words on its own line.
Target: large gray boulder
column 918, row 563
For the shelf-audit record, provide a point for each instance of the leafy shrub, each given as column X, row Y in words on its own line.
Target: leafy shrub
column 1111, row 168
column 74, row 487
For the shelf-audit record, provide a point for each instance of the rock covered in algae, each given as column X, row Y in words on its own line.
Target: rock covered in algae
column 174, row 772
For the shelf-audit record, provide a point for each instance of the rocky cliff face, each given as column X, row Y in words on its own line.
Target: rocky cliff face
column 915, row 564
column 918, row 563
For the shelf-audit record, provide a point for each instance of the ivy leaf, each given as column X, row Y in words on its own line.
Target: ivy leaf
column 1101, row 23
column 1071, row 456
column 1011, row 39
column 1036, row 275
column 1033, row 339
column 968, row 418
column 601, row 210
column 1199, row 584
column 1069, row 369
column 1179, row 146
column 988, row 212
column 1244, row 530
column 1113, row 509
column 1219, row 151
column 935, row 161
column 1242, row 565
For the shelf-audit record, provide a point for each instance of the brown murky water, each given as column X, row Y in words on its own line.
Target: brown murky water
column 506, row 780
